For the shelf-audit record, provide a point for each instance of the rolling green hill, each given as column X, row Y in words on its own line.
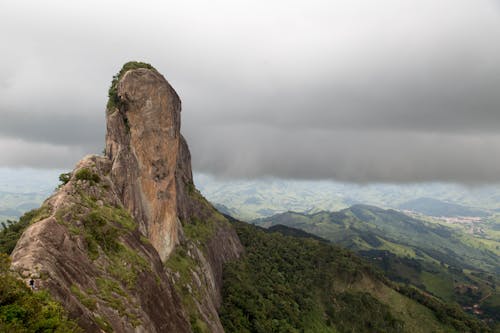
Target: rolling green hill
column 301, row 284
column 434, row 207
column 439, row 260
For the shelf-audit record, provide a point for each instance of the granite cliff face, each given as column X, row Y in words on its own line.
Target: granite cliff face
column 128, row 244
column 144, row 141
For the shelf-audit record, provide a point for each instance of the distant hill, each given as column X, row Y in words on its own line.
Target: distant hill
column 287, row 231
column 24, row 189
column 258, row 198
column 443, row 261
column 15, row 204
column 434, row 207
column 225, row 210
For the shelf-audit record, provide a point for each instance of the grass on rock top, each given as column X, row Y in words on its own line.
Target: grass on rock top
column 87, row 174
column 113, row 99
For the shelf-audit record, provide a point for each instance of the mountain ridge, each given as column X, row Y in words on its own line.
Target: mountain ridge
column 434, row 207
column 302, row 284
column 437, row 259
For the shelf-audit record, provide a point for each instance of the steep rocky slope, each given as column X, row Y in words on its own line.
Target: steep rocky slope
column 127, row 244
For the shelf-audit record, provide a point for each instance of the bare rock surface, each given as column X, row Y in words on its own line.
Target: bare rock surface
column 107, row 242
column 143, row 142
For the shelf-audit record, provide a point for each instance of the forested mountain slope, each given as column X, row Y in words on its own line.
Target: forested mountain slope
column 439, row 260
column 289, row 284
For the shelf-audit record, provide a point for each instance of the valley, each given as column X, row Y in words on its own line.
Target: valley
column 252, row 199
column 445, row 261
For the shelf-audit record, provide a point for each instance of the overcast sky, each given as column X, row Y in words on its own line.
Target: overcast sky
column 351, row 90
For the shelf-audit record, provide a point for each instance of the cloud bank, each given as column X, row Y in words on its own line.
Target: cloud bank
column 351, row 90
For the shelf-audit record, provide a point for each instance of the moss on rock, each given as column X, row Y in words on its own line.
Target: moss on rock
column 113, row 99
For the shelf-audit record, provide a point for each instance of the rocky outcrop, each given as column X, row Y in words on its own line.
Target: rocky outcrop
column 143, row 142
column 128, row 244
column 88, row 253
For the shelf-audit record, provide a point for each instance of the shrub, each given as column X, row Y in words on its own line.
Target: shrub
column 64, row 178
column 100, row 231
column 113, row 99
column 86, row 174
column 22, row 310
column 13, row 230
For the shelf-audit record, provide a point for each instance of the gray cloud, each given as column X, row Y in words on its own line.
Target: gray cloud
column 356, row 90
column 367, row 156
column 18, row 153
column 53, row 128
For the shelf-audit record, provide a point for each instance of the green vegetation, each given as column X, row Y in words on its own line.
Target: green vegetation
column 183, row 265
column 103, row 324
column 64, row 178
column 180, row 262
column 298, row 233
column 439, row 260
column 491, row 306
column 13, row 230
column 113, row 99
column 198, row 230
column 112, row 293
column 126, row 265
column 105, row 229
column 108, row 289
column 364, row 227
column 88, row 302
column 376, row 316
column 22, row 310
column 202, row 229
column 85, row 174
column 184, row 262
column 100, row 232
column 101, row 224
column 446, row 313
column 289, row 284
column 191, row 189
column 198, row 325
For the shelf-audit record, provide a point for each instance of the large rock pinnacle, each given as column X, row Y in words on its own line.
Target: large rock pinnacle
column 86, row 245
column 151, row 162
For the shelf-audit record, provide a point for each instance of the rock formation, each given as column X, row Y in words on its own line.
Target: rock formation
column 128, row 244
column 144, row 141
